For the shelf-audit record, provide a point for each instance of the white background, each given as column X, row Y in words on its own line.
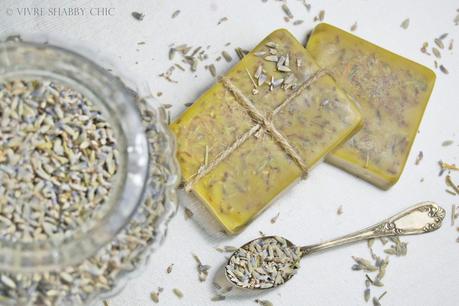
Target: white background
column 428, row 275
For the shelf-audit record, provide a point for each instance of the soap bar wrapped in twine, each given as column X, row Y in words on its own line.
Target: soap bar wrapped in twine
column 262, row 122
column 247, row 139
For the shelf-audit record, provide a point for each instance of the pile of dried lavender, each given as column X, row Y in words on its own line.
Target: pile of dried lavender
column 289, row 15
column 281, row 58
column 58, row 157
column 377, row 265
column 80, row 284
column 192, row 57
column 263, row 263
column 440, row 45
column 203, row 270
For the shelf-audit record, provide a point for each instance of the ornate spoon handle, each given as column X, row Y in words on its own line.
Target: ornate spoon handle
column 422, row 218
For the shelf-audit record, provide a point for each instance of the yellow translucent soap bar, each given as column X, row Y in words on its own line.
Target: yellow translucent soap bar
column 260, row 128
column 392, row 92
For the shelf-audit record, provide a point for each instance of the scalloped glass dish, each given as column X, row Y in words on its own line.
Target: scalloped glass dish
column 96, row 260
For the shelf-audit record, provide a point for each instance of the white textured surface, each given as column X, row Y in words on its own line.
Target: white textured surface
column 429, row 275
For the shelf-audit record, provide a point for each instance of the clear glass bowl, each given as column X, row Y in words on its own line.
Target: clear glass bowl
column 95, row 261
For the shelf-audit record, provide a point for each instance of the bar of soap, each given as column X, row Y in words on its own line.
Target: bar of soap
column 392, row 92
column 260, row 128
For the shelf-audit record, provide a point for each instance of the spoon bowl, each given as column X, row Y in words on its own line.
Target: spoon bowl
column 263, row 263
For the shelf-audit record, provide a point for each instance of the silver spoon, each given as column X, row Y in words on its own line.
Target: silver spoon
column 270, row 261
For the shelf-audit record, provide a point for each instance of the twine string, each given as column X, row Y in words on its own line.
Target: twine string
column 261, row 122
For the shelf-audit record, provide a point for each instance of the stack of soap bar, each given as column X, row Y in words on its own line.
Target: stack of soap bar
column 260, row 128
column 392, row 92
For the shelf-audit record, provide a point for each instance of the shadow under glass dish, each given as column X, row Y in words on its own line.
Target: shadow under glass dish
column 30, row 61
